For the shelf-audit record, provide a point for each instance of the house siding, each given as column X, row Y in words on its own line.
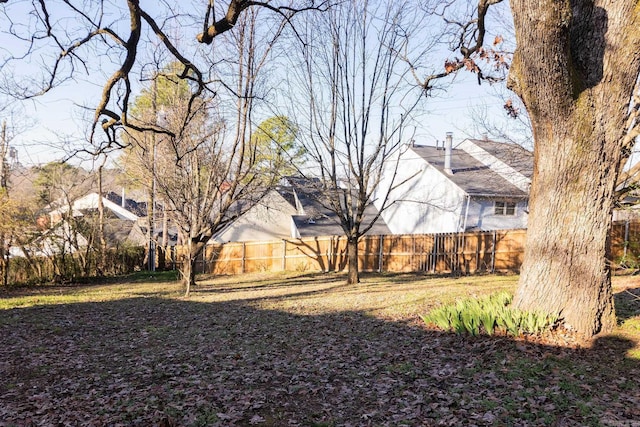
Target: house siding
column 426, row 203
column 481, row 216
column 268, row 220
column 429, row 199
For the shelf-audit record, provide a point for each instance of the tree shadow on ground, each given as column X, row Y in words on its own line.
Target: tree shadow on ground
column 166, row 362
column 627, row 303
column 400, row 278
column 253, row 281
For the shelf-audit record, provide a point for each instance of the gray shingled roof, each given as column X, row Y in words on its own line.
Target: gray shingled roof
column 512, row 154
column 328, row 224
column 117, row 231
column 475, row 178
column 138, row 208
column 320, row 221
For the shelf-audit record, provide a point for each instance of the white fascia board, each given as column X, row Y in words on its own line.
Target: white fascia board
column 498, row 166
column 121, row 212
column 90, row 201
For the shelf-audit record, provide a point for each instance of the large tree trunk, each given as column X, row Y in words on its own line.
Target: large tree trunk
column 575, row 69
column 188, row 270
column 353, row 274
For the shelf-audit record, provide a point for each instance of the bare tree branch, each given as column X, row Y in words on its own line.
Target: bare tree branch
column 354, row 103
column 235, row 9
column 470, row 44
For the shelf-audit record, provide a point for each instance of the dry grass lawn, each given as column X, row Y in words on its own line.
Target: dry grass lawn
column 299, row 350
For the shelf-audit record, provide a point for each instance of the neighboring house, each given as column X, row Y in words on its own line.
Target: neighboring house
column 56, row 240
column 627, row 210
column 90, row 202
column 292, row 210
column 121, row 225
column 268, row 220
column 476, row 185
column 131, row 205
column 313, row 219
column 139, row 237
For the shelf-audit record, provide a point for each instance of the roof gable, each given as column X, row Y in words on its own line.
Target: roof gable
column 262, row 221
column 513, row 155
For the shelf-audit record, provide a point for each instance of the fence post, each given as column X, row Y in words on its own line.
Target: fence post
column 380, row 254
column 434, row 254
column 456, row 254
column 626, row 238
column 460, row 252
column 330, row 261
column 284, row 255
column 493, row 252
column 244, row 255
column 478, row 246
column 413, row 253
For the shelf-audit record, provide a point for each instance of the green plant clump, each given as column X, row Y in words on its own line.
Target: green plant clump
column 489, row 315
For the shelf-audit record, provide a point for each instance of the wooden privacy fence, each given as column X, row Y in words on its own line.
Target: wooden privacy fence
column 463, row 253
column 435, row 253
column 625, row 244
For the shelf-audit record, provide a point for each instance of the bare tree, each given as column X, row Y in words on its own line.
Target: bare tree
column 67, row 239
column 205, row 161
column 356, row 98
column 5, row 206
column 102, row 242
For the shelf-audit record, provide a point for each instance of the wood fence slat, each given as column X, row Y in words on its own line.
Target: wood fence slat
column 464, row 253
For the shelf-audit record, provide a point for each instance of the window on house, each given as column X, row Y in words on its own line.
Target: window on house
column 505, row 208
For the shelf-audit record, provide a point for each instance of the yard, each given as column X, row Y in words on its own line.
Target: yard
column 299, row 350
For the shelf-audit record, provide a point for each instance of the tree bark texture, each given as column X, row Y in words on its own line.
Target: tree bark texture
column 353, row 275
column 188, row 270
column 575, row 68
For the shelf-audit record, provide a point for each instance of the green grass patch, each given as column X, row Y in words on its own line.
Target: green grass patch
column 141, row 284
column 150, row 276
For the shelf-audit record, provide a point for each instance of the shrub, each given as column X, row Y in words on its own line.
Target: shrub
column 488, row 315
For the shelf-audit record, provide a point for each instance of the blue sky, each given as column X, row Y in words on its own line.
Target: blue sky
column 57, row 116
column 55, row 120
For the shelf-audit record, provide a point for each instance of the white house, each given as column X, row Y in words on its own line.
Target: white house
column 292, row 210
column 61, row 238
column 90, row 202
column 476, row 185
column 120, row 226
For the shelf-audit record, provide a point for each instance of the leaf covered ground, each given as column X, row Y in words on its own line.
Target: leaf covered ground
column 283, row 350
